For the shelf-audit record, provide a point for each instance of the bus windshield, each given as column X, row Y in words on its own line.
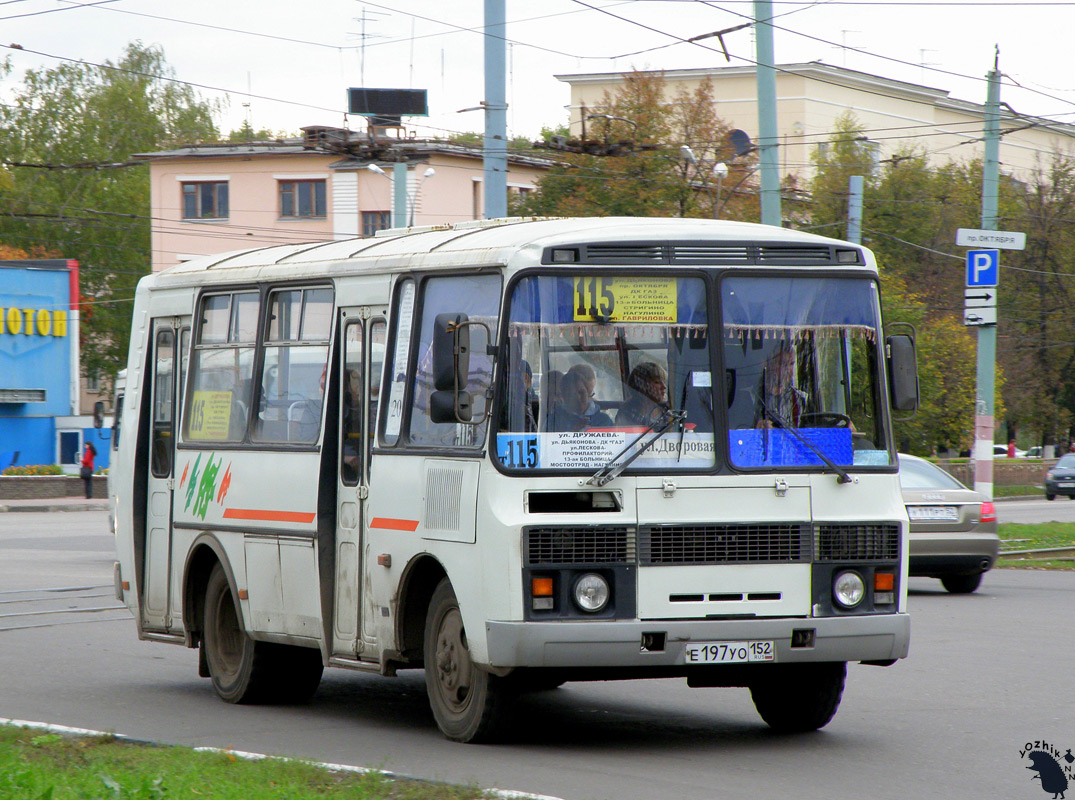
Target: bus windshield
column 595, row 365
column 801, row 364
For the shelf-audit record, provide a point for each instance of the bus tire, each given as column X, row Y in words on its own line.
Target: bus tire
column 962, row 584
column 468, row 703
column 795, row 698
column 244, row 671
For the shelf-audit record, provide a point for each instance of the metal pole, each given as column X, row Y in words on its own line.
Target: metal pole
column 854, row 209
column 399, row 194
column 767, row 132
column 495, row 157
column 987, row 334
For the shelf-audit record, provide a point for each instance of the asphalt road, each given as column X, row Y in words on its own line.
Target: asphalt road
column 987, row 673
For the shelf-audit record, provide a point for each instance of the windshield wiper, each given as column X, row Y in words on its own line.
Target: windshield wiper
column 842, row 476
column 611, row 470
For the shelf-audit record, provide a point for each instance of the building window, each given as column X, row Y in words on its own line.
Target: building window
column 373, row 221
column 205, row 200
column 302, row 198
column 93, row 385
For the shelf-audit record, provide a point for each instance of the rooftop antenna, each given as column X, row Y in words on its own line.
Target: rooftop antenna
column 363, row 36
column 922, row 63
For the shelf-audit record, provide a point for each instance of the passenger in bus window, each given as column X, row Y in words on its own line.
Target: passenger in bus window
column 569, row 414
column 593, row 411
column 780, row 402
column 647, row 395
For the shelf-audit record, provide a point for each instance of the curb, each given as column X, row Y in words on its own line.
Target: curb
column 15, row 508
column 63, row 730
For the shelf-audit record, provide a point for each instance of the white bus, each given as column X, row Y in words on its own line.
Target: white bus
column 516, row 453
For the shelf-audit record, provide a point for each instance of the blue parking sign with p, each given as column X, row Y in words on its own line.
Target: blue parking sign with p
column 983, row 267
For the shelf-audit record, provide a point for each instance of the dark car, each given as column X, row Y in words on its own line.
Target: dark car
column 1061, row 478
column 953, row 529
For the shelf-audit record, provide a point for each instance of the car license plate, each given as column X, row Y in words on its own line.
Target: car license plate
column 1066, row 484
column 729, row 652
column 933, row 512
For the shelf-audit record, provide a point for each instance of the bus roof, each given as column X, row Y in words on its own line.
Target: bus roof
column 519, row 241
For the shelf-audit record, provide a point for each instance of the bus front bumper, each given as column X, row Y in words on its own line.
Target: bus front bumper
column 875, row 637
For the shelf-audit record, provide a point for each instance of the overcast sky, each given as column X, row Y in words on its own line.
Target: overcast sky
column 298, row 59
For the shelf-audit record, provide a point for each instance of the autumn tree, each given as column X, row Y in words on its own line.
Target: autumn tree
column 67, row 136
column 658, row 180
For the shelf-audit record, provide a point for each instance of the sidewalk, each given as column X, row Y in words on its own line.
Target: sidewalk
column 55, row 504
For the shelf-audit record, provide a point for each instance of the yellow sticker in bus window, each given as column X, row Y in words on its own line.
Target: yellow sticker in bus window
column 635, row 299
column 210, row 415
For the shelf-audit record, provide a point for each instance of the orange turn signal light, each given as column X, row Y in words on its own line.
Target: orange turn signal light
column 541, row 587
column 884, row 581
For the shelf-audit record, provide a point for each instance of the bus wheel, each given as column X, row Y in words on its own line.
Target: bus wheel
column 962, row 584
column 245, row 671
column 793, row 698
column 468, row 703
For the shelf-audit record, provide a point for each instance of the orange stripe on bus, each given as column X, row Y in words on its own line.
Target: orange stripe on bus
column 269, row 516
column 390, row 524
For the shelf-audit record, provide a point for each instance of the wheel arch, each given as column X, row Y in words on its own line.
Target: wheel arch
column 416, row 587
column 204, row 554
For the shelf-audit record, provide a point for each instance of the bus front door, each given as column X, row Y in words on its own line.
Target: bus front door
column 362, row 356
column 169, row 337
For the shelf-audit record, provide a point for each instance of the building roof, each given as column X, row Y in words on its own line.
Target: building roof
column 841, row 76
column 356, row 149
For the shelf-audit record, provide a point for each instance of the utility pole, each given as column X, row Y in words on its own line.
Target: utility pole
column 854, row 209
column 987, row 334
column 767, row 132
column 495, row 155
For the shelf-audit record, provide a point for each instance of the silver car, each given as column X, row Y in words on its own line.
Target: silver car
column 953, row 528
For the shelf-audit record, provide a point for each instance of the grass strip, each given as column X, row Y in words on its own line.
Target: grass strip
column 48, row 766
column 1021, row 536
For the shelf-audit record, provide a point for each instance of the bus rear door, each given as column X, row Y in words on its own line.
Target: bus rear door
column 169, row 338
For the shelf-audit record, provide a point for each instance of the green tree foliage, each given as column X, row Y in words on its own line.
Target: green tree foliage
column 1037, row 294
column 67, row 137
column 650, row 182
column 911, row 212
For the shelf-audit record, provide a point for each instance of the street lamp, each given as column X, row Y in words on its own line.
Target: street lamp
column 400, row 177
column 720, row 172
column 429, row 173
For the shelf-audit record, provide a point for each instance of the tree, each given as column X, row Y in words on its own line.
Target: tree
column 67, row 137
column 1036, row 296
column 657, row 180
column 911, row 212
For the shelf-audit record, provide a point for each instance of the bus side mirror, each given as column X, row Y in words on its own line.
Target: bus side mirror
column 451, row 351
column 450, row 401
column 902, row 372
column 98, row 414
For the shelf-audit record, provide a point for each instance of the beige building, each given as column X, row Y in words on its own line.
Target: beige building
column 810, row 97
column 214, row 198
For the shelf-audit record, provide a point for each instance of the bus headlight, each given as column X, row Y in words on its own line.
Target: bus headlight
column 848, row 589
column 591, row 592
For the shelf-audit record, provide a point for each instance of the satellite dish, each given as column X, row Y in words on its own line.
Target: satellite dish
column 740, row 141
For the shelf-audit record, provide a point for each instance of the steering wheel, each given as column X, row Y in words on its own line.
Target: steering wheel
column 824, row 419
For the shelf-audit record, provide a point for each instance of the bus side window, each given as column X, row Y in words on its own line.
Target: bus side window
column 222, row 368
column 161, row 447
column 351, row 449
column 477, row 296
column 295, row 366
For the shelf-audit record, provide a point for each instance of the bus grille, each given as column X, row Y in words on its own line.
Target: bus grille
column 724, row 544
column 857, row 542
column 579, row 544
